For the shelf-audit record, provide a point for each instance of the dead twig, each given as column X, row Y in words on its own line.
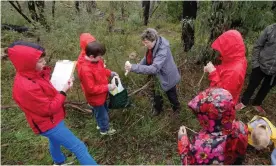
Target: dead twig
column 191, row 130
column 127, row 120
column 4, row 145
column 198, row 84
column 133, row 81
column 135, row 122
column 80, row 109
column 153, row 11
column 182, row 64
column 143, row 87
column 159, row 129
column 8, row 107
column 74, row 105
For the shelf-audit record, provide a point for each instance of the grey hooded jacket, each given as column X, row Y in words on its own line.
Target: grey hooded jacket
column 264, row 51
column 163, row 65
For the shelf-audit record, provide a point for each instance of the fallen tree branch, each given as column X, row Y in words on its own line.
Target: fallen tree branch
column 72, row 104
column 138, row 90
column 75, row 103
column 135, row 122
column 159, row 129
column 182, row 64
column 8, row 106
column 79, row 108
column 17, row 28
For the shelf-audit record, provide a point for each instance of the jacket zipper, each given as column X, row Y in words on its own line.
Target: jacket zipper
column 36, row 126
column 51, row 118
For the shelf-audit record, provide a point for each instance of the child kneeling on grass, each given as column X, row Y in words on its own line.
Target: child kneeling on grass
column 94, row 80
column 261, row 134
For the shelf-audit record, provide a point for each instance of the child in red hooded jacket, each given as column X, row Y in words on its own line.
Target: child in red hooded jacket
column 94, row 80
column 230, row 74
column 42, row 104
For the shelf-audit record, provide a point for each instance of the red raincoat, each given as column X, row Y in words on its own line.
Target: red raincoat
column 32, row 90
column 93, row 75
column 230, row 74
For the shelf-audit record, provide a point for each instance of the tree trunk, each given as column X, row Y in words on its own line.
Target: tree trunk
column 219, row 22
column 146, row 6
column 152, row 4
column 20, row 12
column 18, row 5
column 111, row 17
column 111, row 21
column 123, row 10
column 274, row 9
column 94, row 4
column 273, row 6
column 90, row 5
column 77, row 6
column 40, row 6
column 53, row 8
column 31, row 7
column 189, row 10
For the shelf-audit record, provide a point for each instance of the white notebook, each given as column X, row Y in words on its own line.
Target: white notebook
column 63, row 71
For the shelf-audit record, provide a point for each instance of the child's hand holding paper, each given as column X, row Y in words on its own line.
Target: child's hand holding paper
column 69, row 85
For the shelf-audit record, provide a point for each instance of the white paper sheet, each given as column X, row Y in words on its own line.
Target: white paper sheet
column 63, row 70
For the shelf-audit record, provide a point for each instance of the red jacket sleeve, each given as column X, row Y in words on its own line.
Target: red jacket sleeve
column 89, row 84
column 108, row 72
column 183, row 148
column 228, row 79
column 35, row 100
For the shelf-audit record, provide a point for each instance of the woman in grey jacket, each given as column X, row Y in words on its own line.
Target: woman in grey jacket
column 159, row 62
column 263, row 68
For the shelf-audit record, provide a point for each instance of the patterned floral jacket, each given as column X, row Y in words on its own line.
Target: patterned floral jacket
column 222, row 139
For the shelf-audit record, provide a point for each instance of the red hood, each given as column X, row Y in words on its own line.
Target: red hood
column 230, row 45
column 24, row 56
column 85, row 38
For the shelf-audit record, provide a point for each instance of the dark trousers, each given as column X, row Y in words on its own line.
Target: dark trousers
column 256, row 78
column 172, row 96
